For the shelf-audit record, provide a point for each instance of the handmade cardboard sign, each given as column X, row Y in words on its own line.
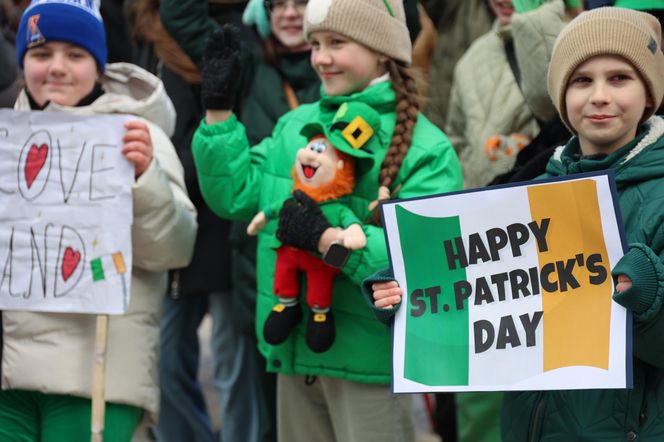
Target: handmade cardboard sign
column 509, row 289
column 65, row 213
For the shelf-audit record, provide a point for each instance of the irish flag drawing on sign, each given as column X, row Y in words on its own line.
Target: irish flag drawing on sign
column 509, row 289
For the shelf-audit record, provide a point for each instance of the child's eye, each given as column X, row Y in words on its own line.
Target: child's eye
column 37, row 53
column 581, row 80
column 76, row 55
column 620, row 77
column 337, row 42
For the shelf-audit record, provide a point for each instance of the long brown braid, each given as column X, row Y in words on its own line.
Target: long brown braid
column 407, row 108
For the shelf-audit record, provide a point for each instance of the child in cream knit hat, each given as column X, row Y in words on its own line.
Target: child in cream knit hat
column 606, row 78
column 360, row 49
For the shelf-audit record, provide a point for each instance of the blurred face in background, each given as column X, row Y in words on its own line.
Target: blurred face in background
column 286, row 21
column 503, row 10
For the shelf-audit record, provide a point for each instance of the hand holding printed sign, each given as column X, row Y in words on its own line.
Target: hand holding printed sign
column 66, row 210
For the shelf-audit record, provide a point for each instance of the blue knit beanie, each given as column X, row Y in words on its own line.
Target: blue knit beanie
column 73, row 21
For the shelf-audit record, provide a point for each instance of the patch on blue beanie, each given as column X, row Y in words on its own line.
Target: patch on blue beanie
column 73, row 21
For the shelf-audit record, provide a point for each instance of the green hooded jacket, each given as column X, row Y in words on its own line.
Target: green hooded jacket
column 237, row 182
column 614, row 415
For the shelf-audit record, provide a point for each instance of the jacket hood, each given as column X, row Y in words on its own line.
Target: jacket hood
column 640, row 160
column 129, row 89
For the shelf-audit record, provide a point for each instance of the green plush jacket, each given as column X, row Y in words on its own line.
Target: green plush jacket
column 614, row 415
column 237, row 182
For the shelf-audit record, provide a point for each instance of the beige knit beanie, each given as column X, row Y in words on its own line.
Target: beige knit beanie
column 634, row 35
column 378, row 24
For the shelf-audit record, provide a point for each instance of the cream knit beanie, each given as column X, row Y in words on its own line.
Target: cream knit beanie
column 378, row 24
column 633, row 35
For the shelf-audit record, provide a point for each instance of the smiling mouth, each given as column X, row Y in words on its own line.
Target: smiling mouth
column 308, row 171
column 600, row 117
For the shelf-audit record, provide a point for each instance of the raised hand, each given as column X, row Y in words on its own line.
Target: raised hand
column 222, row 68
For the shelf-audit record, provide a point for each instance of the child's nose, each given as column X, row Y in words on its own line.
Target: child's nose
column 57, row 64
column 321, row 56
column 291, row 10
column 600, row 93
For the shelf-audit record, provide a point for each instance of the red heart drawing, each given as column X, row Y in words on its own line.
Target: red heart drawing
column 35, row 162
column 69, row 262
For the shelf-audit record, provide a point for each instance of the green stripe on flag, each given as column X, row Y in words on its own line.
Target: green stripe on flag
column 437, row 349
column 97, row 270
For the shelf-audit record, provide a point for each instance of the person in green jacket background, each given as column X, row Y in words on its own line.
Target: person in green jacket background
column 605, row 81
column 343, row 393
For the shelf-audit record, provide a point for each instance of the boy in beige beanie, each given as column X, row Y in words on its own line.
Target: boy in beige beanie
column 606, row 78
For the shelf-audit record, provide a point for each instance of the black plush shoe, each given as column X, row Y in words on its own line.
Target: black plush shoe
column 280, row 323
column 320, row 331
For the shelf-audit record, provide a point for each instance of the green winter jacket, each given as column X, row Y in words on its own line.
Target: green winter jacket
column 237, row 182
column 614, row 415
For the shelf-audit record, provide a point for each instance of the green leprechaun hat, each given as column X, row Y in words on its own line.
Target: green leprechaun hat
column 353, row 130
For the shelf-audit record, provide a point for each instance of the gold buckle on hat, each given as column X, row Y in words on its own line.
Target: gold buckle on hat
column 358, row 132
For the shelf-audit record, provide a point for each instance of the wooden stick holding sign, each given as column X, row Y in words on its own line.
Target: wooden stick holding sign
column 99, row 379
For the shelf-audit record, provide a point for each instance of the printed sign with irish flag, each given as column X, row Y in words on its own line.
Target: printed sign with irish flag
column 509, row 288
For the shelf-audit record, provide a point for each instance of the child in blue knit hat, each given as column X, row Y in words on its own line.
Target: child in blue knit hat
column 47, row 358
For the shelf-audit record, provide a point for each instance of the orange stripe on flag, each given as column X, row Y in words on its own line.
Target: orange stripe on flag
column 119, row 263
column 576, row 322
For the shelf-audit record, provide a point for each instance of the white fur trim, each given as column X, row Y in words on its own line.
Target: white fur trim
column 655, row 131
column 558, row 153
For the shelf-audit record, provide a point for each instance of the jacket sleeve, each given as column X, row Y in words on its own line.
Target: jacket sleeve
column 348, row 217
column 229, row 172
column 644, row 298
column 534, row 34
column 424, row 171
column 189, row 24
column 644, row 265
column 455, row 125
column 164, row 227
column 384, row 315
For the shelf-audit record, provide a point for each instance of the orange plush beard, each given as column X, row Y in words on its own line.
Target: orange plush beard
column 342, row 183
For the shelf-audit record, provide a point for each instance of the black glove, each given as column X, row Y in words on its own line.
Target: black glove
column 221, row 69
column 301, row 222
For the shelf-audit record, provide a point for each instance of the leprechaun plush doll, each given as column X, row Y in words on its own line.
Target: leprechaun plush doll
column 323, row 174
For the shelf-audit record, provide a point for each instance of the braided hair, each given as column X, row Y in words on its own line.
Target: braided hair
column 407, row 109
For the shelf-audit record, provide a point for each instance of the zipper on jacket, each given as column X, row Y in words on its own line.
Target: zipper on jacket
column 175, row 285
column 536, row 421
